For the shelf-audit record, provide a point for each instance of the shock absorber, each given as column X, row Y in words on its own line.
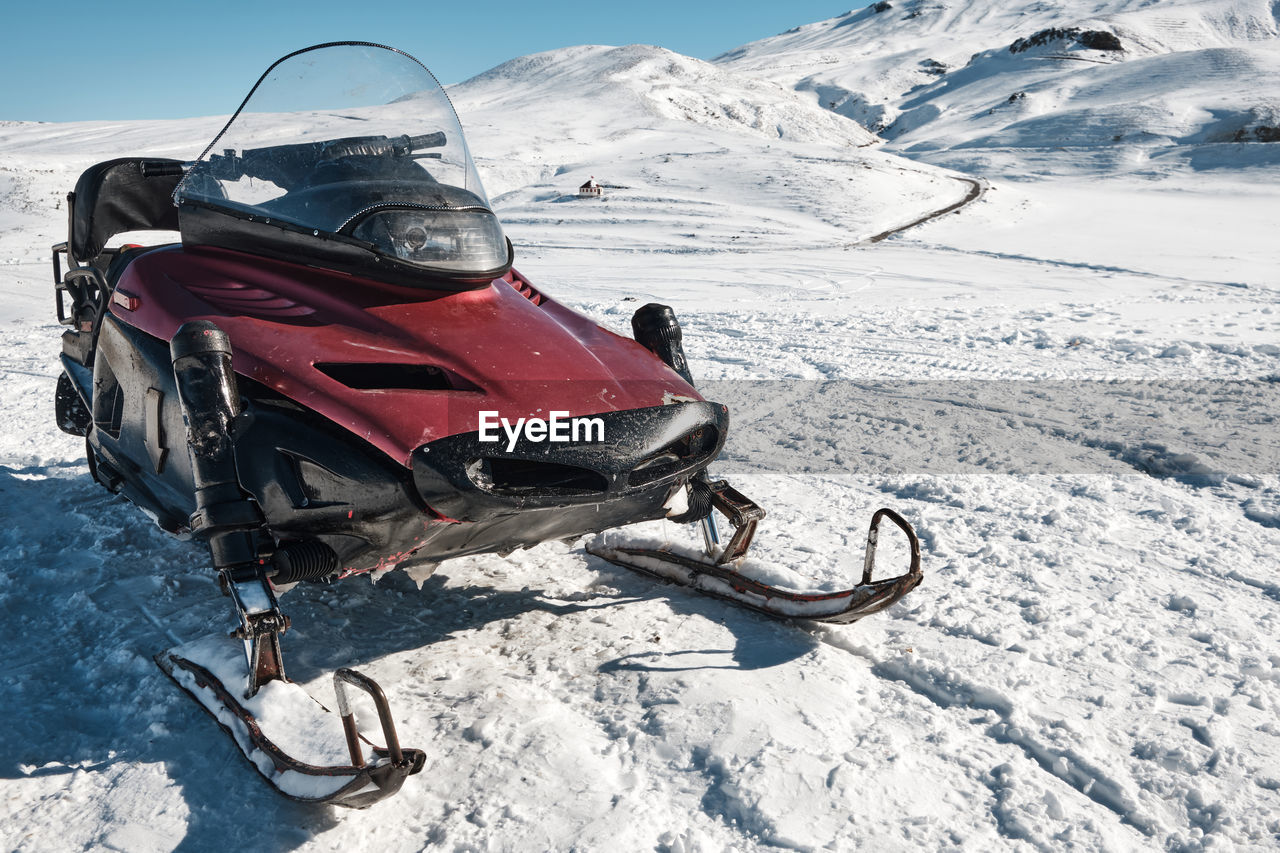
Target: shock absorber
column 228, row 518
column 201, row 354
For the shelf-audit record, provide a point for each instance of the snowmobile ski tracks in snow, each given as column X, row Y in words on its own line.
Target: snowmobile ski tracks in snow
column 719, row 579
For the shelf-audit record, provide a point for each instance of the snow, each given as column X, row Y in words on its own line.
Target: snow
column 1068, row 387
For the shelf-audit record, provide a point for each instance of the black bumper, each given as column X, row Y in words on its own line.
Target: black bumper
column 642, row 451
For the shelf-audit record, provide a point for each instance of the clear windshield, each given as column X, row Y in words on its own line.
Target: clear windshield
column 358, row 140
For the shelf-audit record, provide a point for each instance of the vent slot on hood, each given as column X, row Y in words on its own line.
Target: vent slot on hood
column 243, row 299
column 378, row 376
column 523, row 287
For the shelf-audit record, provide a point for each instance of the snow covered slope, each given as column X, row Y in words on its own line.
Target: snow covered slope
column 933, row 75
column 672, row 139
column 40, row 162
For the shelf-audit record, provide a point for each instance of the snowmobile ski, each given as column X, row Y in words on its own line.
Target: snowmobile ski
column 291, row 739
column 720, row 580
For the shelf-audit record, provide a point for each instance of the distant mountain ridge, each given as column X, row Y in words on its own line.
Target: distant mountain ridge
column 945, row 74
column 645, row 81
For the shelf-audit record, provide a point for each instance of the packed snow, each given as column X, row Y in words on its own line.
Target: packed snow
column 1070, row 387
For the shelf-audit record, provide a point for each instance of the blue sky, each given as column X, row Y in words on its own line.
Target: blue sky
column 123, row 59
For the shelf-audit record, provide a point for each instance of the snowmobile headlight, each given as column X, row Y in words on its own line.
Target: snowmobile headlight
column 460, row 240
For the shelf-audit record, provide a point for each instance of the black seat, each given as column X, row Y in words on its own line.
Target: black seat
column 128, row 194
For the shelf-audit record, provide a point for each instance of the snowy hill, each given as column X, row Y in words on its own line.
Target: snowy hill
column 931, row 75
column 40, row 162
column 598, row 87
column 713, row 160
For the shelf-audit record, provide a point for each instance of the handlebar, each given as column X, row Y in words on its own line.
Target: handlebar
column 426, row 140
column 287, row 164
column 160, row 169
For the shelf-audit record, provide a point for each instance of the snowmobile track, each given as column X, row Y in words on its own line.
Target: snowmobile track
column 977, row 188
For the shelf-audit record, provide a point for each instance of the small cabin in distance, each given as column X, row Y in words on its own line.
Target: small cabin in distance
column 590, row 189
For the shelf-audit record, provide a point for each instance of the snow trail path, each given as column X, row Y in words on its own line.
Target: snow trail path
column 976, row 189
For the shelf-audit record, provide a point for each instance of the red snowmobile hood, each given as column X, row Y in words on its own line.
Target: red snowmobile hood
column 504, row 348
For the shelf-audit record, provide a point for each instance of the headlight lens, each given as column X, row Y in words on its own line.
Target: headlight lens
column 460, row 241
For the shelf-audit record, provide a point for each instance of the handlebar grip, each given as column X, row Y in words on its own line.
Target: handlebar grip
column 160, row 169
column 426, row 140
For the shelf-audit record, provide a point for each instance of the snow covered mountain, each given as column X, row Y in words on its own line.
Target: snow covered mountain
column 947, row 74
column 713, row 159
column 594, row 88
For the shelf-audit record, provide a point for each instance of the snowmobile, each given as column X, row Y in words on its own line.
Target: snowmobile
column 337, row 371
